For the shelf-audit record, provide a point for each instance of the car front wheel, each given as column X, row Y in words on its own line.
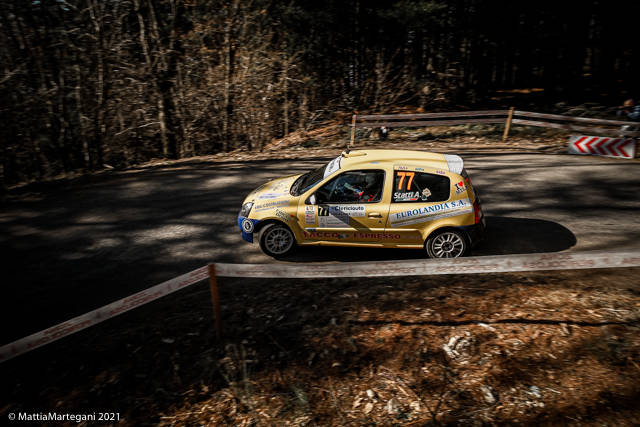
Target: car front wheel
column 277, row 240
column 446, row 244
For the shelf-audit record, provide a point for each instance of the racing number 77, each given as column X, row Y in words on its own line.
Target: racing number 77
column 402, row 176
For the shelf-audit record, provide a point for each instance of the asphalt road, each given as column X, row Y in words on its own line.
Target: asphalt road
column 72, row 247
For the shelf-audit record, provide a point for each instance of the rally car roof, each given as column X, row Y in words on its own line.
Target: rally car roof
column 449, row 162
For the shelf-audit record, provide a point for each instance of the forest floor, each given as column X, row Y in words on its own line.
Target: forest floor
column 542, row 348
column 535, row 349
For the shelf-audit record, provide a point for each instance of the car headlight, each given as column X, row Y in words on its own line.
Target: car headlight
column 246, row 208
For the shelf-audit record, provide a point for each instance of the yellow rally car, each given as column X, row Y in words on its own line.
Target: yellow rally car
column 369, row 198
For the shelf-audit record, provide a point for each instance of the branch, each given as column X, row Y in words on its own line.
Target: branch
column 12, row 73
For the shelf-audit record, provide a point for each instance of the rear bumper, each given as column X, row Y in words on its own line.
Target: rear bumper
column 476, row 232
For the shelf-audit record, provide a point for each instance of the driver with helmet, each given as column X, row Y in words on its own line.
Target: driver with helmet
column 365, row 190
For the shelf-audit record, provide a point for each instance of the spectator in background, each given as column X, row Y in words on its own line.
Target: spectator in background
column 629, row 110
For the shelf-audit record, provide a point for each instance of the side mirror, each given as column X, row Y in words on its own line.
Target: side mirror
column 312, row 199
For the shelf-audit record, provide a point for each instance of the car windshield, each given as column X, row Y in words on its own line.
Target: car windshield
column 311, row 178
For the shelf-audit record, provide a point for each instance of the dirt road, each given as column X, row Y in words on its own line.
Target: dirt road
column 74, row 246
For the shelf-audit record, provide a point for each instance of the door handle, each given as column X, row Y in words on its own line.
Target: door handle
column 375, row 215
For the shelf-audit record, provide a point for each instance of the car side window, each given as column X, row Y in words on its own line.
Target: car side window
column 361, row 186
column 411, row 187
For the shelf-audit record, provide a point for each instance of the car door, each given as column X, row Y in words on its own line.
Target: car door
column 419, row 197
column 350, row 208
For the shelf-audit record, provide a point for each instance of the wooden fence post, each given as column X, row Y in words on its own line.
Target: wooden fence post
column 507, row 124
column 215, row 299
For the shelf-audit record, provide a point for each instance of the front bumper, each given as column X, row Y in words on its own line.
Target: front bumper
column 247, row 227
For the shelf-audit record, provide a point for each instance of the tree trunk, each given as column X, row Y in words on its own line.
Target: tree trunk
column 99, row 128
column 285, row 92
column 229, row 64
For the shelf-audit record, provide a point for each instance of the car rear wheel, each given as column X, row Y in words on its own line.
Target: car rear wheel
column 277, row 240
column 446, row 244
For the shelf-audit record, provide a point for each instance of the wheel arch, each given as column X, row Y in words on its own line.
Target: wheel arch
column 439, row 230
column 263, row 224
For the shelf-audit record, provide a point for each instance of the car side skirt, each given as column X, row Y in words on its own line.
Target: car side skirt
column 360, row 245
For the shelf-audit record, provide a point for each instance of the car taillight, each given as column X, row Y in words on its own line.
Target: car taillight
column 467, row 180
column 477, row 211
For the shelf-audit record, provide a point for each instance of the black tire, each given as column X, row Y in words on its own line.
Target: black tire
column 447, row 244
column 277, row 240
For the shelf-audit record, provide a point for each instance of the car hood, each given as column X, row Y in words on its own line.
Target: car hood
column 274, row 189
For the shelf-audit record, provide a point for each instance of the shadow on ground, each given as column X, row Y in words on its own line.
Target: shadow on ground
column 504, row 236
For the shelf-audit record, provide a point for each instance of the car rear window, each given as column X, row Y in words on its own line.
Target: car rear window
column 413, row 187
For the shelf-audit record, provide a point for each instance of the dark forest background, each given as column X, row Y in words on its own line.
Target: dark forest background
column 89, row 84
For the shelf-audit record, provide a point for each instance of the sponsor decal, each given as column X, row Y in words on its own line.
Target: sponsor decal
column 283, row 215
column 460, row 188
column 268, row 196
column 435, row 217
column 271, row 205
column 309, row 215
column 377, row 236
column 247, row 225
column 430, row 213
column 280, row 186
column 351, row 236
column 275, row 190
column 350, row 210
column 337, row 216
column 410, row 196
column 333, row 221
column 323, row 235
column 333, row 166
column 440, row 172
column 409, row 168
